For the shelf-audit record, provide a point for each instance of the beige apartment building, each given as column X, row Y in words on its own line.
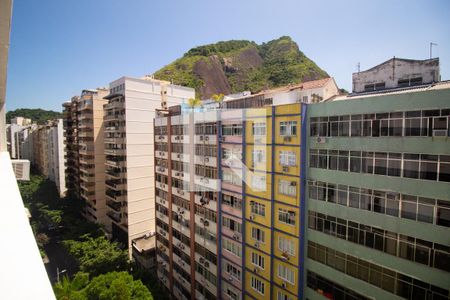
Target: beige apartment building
column 70, row 112
column 129, row 150
column 85, row 151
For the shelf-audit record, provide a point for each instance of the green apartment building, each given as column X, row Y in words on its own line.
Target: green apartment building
column 378, row 207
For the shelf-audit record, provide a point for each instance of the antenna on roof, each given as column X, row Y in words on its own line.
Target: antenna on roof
column 431, row 49
column 359, row 67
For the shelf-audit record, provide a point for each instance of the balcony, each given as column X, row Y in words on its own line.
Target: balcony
column 116, row 173
column 113, row 117
column 115, row 216
column 115, row 184
column 116, row 206
column 115, row 195
column 115, row 151
column 114, row 140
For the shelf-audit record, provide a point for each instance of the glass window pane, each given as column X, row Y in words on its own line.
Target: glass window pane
column 425, row 213
column 409, row 210
column 428, row 170
column 411, row 169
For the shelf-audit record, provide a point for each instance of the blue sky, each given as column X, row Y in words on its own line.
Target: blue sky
column 60, row 47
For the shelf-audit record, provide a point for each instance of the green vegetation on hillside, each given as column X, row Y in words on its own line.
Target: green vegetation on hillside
column 37, row 115
column 245, row 65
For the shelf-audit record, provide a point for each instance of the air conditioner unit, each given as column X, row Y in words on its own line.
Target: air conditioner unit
column 181, row 137
column 255, row 270
column 236, row 237
column 252, row 217
column 182, row 247
column 177, row 173
column 201, row 138
column 256, row 245
column 202, row 260
column 206, row 264
column 223, row 139
column 285, row 169
column 206, row 159
column 321, row 140
column 206, row 138
column 178, row 155
column 293, row 183
column 440, row 132
column 206, row 223
column 283, row 285
column 287, row 139
column 177, row 138
column 182, row 212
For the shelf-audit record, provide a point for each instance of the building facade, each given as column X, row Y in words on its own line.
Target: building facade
column 129, row 158
column 397, row 73
column 72, row 163
column 56, row 168
column 229, row 196
column 378, row 209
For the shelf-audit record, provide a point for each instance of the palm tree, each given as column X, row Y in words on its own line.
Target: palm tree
column 218, row 98
column 194, row 102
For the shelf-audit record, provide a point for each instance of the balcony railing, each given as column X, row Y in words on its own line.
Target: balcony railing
column 114, row 205
column 114, row 216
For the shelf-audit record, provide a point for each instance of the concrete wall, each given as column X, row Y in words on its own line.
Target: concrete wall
column 394, row 69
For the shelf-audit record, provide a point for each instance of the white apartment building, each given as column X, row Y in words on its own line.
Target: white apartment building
column 397, row 73
column 56, row 168
column 129, row 150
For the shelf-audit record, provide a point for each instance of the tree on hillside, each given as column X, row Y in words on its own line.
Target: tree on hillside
column 37, row 115
column 97, row 255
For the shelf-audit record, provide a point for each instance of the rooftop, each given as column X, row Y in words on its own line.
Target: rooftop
column 404, row 90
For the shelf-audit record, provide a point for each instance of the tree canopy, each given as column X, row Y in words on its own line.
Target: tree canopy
column 37, row 115
column 109, row 286
column 97, row 255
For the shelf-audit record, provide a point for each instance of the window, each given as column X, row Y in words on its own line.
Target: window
column 258, row 235
column 288, row 188
column 282, row 296
column 234, row 129
column 231, row 201
column 286, row 273
column 257, row 285
column 257, row 208
column 395, row 124
column 232, row 247
column 258, row 156
column 259, row 129
column 259, row 182
column 233, row 271
column 286, row 216
column 232, row 294
column 231, row 178
column 286, row 245
column 288, row 128
column 232, row 224
column 287, row 158
column 428, row 166
column 258, row 260
column 409, row 248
